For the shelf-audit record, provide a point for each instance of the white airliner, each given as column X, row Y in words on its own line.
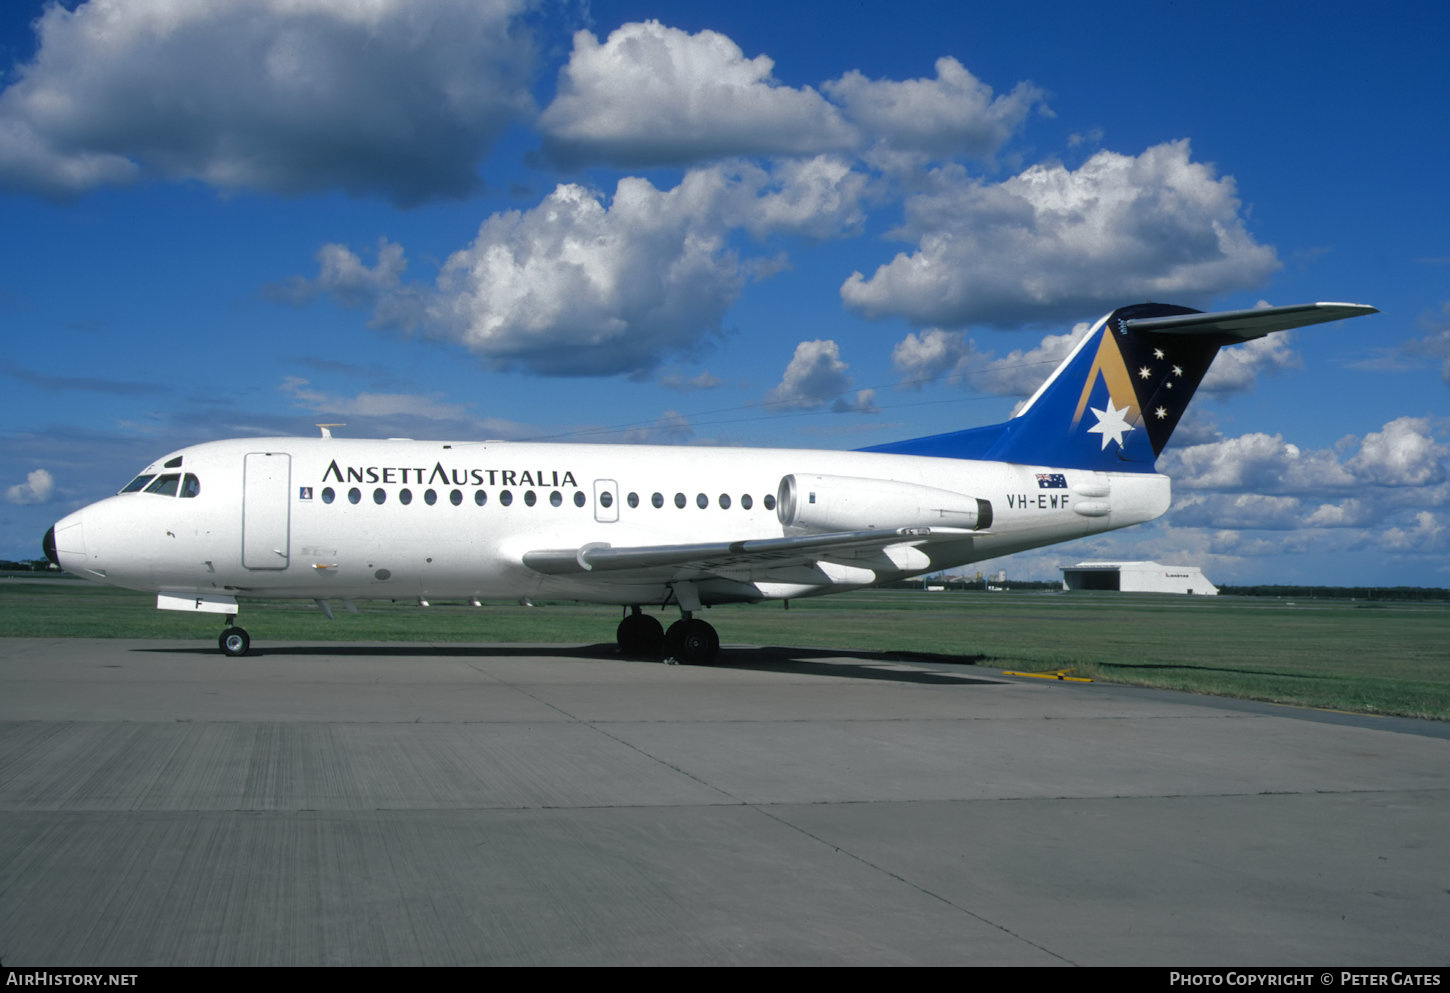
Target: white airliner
column 340, row 519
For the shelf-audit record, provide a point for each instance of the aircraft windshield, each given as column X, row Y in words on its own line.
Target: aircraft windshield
column 171, row 484
column 165, row 485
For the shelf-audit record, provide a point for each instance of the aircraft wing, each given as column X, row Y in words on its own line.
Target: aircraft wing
column 1246, row 324
column 722, row 557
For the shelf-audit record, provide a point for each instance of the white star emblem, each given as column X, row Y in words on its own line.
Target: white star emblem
column 1157, row 353
column 1161, row 413
column 1178, row 370
column 1111, row 424
column 1144, row 372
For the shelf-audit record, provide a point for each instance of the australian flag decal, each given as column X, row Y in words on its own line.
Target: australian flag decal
column 1051, row 481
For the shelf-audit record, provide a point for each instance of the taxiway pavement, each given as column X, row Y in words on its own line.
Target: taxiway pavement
column 445, row 804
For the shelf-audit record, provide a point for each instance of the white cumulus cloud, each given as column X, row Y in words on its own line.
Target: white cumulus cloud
column 816, row 378
column 1241, row 510
column 581, row 285
column 953, row 114
column 925, row 357
column 399, row 98
column 1237, row 367
column 1051, row 242
column 1404, row 454
column 578, row 287
column 38, row 487
column 651, row 95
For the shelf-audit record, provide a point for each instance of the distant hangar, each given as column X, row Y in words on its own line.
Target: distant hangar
column 1137, row 577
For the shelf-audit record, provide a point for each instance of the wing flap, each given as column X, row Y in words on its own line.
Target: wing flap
column 720, row 556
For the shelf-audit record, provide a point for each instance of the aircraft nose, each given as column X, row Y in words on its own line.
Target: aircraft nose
column 65, row 542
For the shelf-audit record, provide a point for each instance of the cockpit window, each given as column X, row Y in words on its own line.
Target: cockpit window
column 138, row 483
column 165, row 485
column 190, row 486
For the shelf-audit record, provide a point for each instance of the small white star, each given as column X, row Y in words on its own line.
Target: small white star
column 1111, row 424
column 1178, row 370
column 1157, row 353
column 1161, row 413
column 1144, row 372
column 1168, row 385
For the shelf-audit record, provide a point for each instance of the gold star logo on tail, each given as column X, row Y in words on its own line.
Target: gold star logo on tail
column 1112, row 422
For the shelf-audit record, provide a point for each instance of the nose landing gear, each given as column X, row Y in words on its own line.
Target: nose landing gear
column 234, row 641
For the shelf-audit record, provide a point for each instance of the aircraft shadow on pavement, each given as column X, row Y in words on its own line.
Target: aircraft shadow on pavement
column 883, row 666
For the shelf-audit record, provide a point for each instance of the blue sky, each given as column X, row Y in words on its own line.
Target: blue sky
column 817, row 225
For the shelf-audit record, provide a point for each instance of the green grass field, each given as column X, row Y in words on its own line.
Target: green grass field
column 1366, row 657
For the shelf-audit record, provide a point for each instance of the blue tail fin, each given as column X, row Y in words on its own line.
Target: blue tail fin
column 1113, row 403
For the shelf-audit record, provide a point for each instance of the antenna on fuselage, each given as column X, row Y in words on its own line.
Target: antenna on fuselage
column 327, row 429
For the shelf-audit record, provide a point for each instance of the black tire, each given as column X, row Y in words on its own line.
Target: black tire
column 693, row 641
column 234, row 642
column 642, row 635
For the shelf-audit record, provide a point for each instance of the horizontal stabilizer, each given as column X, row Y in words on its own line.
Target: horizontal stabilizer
column 1247, row 324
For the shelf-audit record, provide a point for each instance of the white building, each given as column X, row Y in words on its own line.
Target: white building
column 1137, row 577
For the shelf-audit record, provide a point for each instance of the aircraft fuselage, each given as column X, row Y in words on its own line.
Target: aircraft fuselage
column 343, row 518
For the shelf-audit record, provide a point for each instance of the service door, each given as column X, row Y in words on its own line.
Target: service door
column 266, row 510
column 606, row 501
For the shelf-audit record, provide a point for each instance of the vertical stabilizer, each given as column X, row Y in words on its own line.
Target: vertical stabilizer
column 1113, row 403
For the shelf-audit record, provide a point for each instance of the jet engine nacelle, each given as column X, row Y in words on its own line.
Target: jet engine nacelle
column 851, row 503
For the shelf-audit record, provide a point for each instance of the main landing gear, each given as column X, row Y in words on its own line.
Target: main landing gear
column 234, row 641
column 689, row 640
column 640, row 634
